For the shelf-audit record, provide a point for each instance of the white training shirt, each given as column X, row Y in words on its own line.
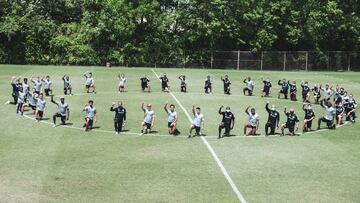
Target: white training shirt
column 62, row 107
column 329, row 114
column 198, row 118
column 25, row 88
column 40, row 105
column 37, row 85
column 33, row 99
column 326, row 92
column 47, row 84
column 122, row 81
column 90, row 112
column 253, row 119
column 172, row 116
column 89, row 80
column 249, row 84
column 148, row 116
column 21, row 97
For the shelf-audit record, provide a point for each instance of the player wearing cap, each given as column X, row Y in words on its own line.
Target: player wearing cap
column 145, row 83
column 291, row 122
column 89, row 83
column 227, row 122
column 309, row 117
column 273, row 119
column 198, row 122
column 329, row 114
column 90, row 115
column 208, row 85
column 227, row 84
column 63, row 110
column 122, row 81
column 172, row 119
column 249, row 86
column 149, row 119
column 267, row 87
column 120, row 116
column 284, row 88
column 183, row 83
column 253, row 122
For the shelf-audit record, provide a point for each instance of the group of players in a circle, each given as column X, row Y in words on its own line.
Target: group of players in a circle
column 344, row 105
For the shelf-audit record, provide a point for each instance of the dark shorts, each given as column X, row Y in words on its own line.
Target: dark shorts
column 290, row 127
column 62, row 117
column 250, row 126
column 283, row 91
column 170, row 124
column 37, row 92
column 309, row 124
column 197, row 129
column 40, row 114
column 148, row 126
column 90, row 121
column 47, row 92
column 144, row 85
column 87, row 86
column 32, row 107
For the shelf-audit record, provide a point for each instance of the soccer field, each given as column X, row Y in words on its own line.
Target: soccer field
column 39, row 163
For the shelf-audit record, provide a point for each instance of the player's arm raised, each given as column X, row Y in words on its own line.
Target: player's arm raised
column 165, row 108
column 142, row 106
column 220, row 109
column 247, row 110
column 52, row 100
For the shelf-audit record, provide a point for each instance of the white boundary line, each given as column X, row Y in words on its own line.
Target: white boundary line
column 211, row 150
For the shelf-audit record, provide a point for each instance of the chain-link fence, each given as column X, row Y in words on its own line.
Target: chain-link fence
column 286, row 60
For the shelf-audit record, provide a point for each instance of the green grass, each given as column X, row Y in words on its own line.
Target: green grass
column 39, row 163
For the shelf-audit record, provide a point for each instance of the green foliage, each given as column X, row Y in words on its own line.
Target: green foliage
column 160, row 31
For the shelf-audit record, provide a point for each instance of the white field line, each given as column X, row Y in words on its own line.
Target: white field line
column 211, row 150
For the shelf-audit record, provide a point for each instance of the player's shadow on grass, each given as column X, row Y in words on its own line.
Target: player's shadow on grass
column 68, row 124
column 154, row 132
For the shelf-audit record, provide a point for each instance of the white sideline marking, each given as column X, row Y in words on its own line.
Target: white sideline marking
column 211, row 150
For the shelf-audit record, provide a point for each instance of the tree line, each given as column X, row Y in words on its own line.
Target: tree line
column 135, row 32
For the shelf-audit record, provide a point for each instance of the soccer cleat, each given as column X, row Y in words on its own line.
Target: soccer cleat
column 54, row 125
column 117, row 133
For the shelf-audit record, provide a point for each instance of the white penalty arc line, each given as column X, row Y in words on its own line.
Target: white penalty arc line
column 211, row 150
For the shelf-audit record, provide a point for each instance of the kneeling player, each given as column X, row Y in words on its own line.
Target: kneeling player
column 120, row 116
column 145, row 83
column 267, row 87
column 183, row 83
column 329, row 115
column 63, row 110
column 172, row 119
column 339, row 112
column 32, row 100
column 227, row 122
column 89, row 82
column 198, row 122
column 149, row 119
column 284, row 88
column 227, row 84
column 67, row 85
column 309, row 117
column 164, row 83
column 91, row 115
column 305, row 91
column 350, row 109
column 249, row 86
column 20, row 102
column 273, row 120
column 317, row 94
column 291, row 121
column 40, row 107
column 293, row 91
column 122, row 81
column 47, row 85
column 253, row 122
column 208, row 85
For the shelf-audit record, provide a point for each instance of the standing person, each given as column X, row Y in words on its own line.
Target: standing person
column 120, row 116
column 63, row 111
column 67, row 85
column 26, row 88
column 145, row 83
column 40, row 107
column 291, row 121
column 20, row 102
column 16, row 87
column 249, row 86
column 339, row 112
column 273, row 119
column 172, row 119
column 149, row 119
column 305, row 91
column 284, row 88
column 198, row 122
column 164, row 83
column 89, row 83
column 227, row 122
column 267, row 87
column 253, row 122
column 309, row 117
column 183, row 83
column 47, row 85
column 227, row 84
column 317, row 94
column 122, row 81
column 90, row 115
column 208, row 85
column 37, row 84
column 329, row 115
column 293, row 91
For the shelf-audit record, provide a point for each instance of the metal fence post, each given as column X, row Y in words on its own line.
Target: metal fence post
column 262, row 61
column 284, row 60
column 238, row 61
column 306, row 62
column 349, row 62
